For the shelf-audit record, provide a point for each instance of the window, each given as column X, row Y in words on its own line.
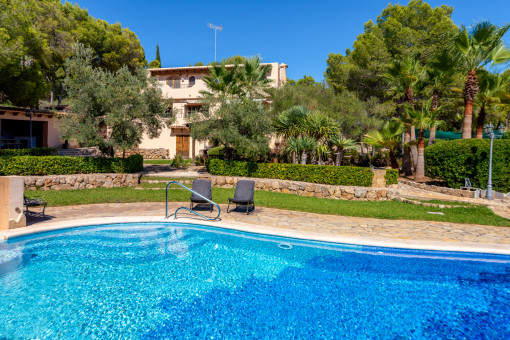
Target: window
column 174, row 83
column 190, row 109
column 191, row 81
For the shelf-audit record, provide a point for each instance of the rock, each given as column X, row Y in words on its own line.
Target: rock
column 360, row 192
column 275, row 184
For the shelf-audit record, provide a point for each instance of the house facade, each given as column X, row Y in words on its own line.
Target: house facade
column 20, row 129
column 183, row 85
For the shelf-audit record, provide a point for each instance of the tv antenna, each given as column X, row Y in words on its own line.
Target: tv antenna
column 216, row 29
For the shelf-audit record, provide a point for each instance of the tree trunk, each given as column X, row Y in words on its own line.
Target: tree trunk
column 339, row 156
column 294, row 158
column 479, row 123
column 406, row 157
column 393, row 160
column 469, row 92
column 303, row 158
column 432, row 136
column 414, row 149
column 420, row 169
column 434, row 106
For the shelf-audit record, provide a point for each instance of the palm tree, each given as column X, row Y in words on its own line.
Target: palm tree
column 475, row 49
column 440, row 73
column 291, row 122
column 492, row 91
column 424, row 119
column 253, row 79
column 389, row 137
column 341, row 143
column 293, row 147
column 222, row 81
column 403, row 75
column 306, row 144
column 320, row 127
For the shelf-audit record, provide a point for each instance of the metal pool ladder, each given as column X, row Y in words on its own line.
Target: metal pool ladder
column 191, row 211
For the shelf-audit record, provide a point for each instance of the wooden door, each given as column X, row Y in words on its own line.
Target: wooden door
column 182, row 147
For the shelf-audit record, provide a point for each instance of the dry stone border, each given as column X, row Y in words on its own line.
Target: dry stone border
column 311, row 189
column 81, row 181
column 435, row 188
column 160, row 153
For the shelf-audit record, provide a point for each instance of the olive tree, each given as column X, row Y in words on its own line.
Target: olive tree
column 111, row 109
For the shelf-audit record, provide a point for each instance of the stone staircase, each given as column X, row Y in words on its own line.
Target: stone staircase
column 79, row 152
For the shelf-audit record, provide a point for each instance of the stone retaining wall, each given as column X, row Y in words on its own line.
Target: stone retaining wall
column 80, row 181
column 435, row 188
column 146, row 153
column 311, row 189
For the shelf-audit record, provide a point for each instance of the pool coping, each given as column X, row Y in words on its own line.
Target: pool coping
column 274, row 231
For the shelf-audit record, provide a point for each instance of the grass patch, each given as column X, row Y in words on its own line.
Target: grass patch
column 157, row 161
column 382, row 209
column 446, row 202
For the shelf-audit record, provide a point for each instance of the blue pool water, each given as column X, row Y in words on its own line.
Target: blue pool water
column 158, row 280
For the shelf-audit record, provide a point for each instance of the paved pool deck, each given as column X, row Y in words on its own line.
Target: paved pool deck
column 340, row 229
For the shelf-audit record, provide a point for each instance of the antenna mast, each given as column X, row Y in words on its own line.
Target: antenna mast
column 216, row 29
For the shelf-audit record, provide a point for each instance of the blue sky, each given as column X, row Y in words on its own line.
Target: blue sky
column 298, row 33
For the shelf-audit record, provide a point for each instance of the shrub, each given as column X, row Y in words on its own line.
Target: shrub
column 455, row 160
column 56, row 165
column 323, row 174
column 217, row 151
column 391, row 176
column 381, row 159
column 28, row 152
column 177, row 162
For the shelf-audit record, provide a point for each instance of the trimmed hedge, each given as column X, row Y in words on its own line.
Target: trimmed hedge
column 321, row 174
column 391, row 176
column 453, row 161
column 56, row 165
column 28, row 152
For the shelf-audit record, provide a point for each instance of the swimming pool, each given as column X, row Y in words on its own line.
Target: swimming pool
column 161, row 280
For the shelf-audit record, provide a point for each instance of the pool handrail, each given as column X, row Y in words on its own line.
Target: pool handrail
column 191, row 211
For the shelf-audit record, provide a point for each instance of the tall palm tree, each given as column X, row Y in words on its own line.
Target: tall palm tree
column 341, row 143
column 403, row 75
column 440, row 72
column 389, row 137
column 423, row 119
column 492, row 91
column 222, row 81
column 253, row 77
column 475, row 49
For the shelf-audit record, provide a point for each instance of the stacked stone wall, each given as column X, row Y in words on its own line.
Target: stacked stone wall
column 160, row 153
column 441, row 190
column 81, row 181
column 310, row 189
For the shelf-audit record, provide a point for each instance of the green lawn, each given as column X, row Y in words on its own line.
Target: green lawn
column 382, row 209
column 157, row 161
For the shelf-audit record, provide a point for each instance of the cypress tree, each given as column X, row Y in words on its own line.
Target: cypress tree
column 158, row 57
